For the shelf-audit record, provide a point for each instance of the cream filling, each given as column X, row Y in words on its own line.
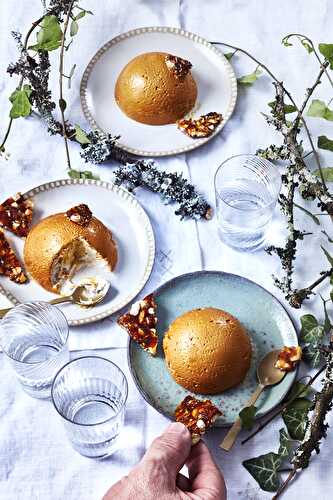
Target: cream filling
column 74, row 257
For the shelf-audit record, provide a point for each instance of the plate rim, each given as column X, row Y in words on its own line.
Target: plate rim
column 167, row 283
column 124, row 194
column 158, row 29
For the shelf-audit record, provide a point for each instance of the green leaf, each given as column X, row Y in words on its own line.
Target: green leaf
column 49, row 36
column 306, row 45
column 21, row 105
column 327, row 173
column 312, row 355
column 288, row 108
column 328, row 256
column 74, row 28
column 304, row 41
column 327, row 323
column 295, row 418
column 81, row 136
column 80, row 15
column 308, row 321
column 82, row 174
column 265, row 470
column 325, row 143
column 326, row 49
column 285, row 447
column 285, row 41
column 62, row 104
column 318, row 109
column 247, row 415
column 251, row 78
column 313, row 336
column 307, row 212
column 229, row 55
column 300, row 390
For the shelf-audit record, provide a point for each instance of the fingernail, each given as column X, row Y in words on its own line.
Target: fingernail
column 177, row 427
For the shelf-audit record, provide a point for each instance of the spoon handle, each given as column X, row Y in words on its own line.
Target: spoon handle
column 58, row 300
column 233, row 432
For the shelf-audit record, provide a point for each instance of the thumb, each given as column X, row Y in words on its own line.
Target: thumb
column 170, row 450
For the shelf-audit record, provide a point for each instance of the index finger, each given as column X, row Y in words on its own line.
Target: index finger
column 205, row 476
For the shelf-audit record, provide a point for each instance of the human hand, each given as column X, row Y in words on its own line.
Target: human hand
column 157, row 476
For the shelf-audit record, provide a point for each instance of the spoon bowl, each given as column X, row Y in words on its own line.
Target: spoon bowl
column 266, row 372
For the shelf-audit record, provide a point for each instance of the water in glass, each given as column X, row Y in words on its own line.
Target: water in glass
column 246, row 190
column 34, row 338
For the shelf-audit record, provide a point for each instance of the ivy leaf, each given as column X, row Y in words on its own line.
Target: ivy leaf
column 49, row 36
column 313, row 336
column 229, row 55
column 285, row 41
column 325, row 143
column 265, row 470
column 81, row 136
column 247, row 415
column 327, row 173
column 304, row 41
column 74, row 28
column 285, row 447
column 318, row 109
column 307, row 212
column 328, row 256
column 288, row 108
column 21, row 105
column 82, row 174
column 251, row 78
column 312, row 355
column 300, row 390
column 326, row 49
column 295, row 418
column 308, row 321
column 327, row 323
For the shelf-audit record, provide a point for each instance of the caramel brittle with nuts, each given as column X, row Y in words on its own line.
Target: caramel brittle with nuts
column 197, row 415
column 16, row 215
column 9, row 263
column 203, row 126
column 81, row 214
column 140, row 323
column 178, row 66
column 288, row 358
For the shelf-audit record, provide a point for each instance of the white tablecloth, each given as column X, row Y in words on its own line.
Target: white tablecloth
column 36, row 460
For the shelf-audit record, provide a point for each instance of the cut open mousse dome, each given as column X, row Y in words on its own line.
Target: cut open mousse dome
column 62, row 244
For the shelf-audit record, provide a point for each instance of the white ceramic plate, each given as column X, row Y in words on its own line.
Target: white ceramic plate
column 217, row 88
column 130, row 225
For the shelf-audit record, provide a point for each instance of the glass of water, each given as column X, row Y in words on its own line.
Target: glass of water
column 90, row 394
column 246, row 191
column 34, row 337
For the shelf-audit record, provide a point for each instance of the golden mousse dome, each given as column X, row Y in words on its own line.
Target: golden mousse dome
column 156, row 88
column 207, row 351
column 57, row 247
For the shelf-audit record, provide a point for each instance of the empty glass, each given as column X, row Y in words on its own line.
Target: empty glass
column 90, row 394
column 34, row 338
column 246, row 190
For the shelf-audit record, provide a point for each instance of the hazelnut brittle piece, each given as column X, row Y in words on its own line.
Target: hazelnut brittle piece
column 288, row 358
column 197, row 415
column 16, row 215
column 178, row 66
column 203, row 126
column 81, row 214
column 9, row 263
column 140, row 323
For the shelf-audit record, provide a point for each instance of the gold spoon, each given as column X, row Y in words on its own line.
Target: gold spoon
column 78, row 296
column 267, row 375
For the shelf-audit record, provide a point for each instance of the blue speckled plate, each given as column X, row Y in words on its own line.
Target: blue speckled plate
column 266, row 321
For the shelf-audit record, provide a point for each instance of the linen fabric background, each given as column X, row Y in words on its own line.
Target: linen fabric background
column 36, row 460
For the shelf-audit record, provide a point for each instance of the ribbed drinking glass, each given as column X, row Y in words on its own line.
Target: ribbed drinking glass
column 34, row 338
column 246, row 190
column 90, row 394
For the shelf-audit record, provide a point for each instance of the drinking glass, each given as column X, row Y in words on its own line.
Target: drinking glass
column 90, row 394
column 34, row 338
column 246, row 191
